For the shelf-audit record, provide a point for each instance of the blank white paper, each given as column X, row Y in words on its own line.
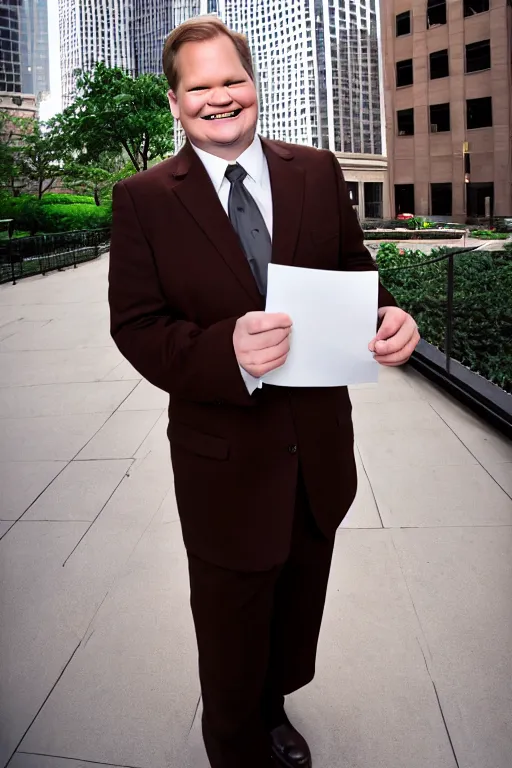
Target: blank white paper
column 334, row 317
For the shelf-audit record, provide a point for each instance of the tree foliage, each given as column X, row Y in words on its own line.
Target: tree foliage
column 117, row 114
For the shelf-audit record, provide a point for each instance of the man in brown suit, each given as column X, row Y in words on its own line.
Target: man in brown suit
column 263, row 475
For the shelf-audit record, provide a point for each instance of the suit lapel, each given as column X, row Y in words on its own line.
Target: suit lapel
column 199, row 197
column 287, row 182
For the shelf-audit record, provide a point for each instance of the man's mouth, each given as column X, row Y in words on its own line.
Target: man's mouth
column 223, row 115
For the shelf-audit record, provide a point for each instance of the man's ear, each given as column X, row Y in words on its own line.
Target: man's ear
column 173, row 103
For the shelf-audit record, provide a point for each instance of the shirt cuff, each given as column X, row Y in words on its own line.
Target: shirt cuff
column 251, row 382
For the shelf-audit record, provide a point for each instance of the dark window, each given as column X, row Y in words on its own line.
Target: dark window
column 439, row 118
column 471, row 7
column 403, row 24
column 353, row 192
column 405, row 122
column 441, row 196
column 436, row 13
column 479, row 113
column 404, row 198
column 373, row 199
column 439, row 64
column 404, row 73
column 478, row 56
column 477, row 193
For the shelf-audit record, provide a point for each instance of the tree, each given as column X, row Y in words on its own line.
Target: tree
column 11, row 141
column 38, row 157
column 116, row 113
column 97, row 180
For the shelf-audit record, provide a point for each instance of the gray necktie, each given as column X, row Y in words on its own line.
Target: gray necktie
column 249, row 225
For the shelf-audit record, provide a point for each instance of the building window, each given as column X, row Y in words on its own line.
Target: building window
column 478, row 56
column 373, row 200
column 439, row 118
column 403, row 24
column 405, row 122
column 472, row 7
column 404, row 198
column 404, row 74
column 479, row 113
column 353, row 192
column 441, row 199
column 439, row 64
column 480, row 199
column 436, row 13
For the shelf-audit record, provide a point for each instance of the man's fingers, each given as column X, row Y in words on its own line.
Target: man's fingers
column 400, row 356
column 261, row 322
column 264, row 340
column 397, row 341
column 261, row 357
column 261, row 370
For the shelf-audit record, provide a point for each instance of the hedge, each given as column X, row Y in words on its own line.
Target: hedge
column 51, row 214
column 482, row 332
column 414, row 234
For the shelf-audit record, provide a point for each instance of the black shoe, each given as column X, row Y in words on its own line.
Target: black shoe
column 289, row 748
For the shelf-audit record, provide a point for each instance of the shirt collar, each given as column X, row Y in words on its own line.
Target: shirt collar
column 251, row 160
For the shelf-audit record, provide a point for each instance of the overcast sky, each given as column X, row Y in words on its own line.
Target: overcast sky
column 53, row 105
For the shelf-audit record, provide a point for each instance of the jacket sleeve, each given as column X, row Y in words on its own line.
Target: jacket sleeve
column 354, row 256
column 190, row 362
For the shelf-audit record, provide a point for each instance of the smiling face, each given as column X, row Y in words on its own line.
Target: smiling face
column 216, row 100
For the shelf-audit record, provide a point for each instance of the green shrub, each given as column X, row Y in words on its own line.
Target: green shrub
column 33, row 215
column 414, row 234
column 482, row 317
column 58, row 199
column 488, row 234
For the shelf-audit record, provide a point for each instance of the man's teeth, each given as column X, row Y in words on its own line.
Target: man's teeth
column 221, row 116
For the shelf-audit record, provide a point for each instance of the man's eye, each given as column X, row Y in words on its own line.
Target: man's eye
column 236, row 82
column 199, row 88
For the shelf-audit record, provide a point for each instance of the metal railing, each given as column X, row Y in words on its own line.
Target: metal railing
column 29, row 256
column 464, row 312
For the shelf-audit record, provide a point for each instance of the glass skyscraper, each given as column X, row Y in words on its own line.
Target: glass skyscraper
column 24, row 52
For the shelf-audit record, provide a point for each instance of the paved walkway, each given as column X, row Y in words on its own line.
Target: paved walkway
column 97, row 648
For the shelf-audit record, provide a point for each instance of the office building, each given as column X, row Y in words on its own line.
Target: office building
column 24, row 52
column 318, row 69
column 448, row 93
column 93, row 31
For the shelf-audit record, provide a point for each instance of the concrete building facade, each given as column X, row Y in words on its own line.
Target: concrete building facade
column 448, row 95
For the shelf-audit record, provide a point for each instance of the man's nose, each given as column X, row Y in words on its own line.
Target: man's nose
column 220, row 97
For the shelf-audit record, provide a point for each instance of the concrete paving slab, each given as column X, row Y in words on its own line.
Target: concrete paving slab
column 22, row 482
column 124, row 371
column 56, row 367
column 460, row 581
column 38, row 634
column 14, row 327
column 25, row 760
column 385, row 392
column 439, row 496
column 487, row 444
column 130, row 694
column 48, row 438
column 363, row 513
column 63, row 399
column 389, row 416
column 412, row 447
column 5, row 525
column 157, row 442
column 502, row 474
column 80, row 491
column 121, row 435
column 146, row 397
column 372, row 702
column 59, row 334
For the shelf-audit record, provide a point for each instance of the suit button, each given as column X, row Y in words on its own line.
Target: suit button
column 292, row 449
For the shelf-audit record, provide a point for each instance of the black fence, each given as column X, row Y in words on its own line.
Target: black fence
column 28, row 256
column 462, row 301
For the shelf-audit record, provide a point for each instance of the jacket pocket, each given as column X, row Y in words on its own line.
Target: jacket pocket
column 198, row 442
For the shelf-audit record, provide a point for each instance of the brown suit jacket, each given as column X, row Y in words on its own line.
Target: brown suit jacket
column 178, row 282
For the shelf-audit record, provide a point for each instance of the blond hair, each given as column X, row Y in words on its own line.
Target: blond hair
column 197, row 30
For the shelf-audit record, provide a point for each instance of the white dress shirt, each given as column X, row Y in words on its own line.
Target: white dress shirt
column 257, row 182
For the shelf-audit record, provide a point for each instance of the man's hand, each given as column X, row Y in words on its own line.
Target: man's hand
column 396, row 339
column 262, row 342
